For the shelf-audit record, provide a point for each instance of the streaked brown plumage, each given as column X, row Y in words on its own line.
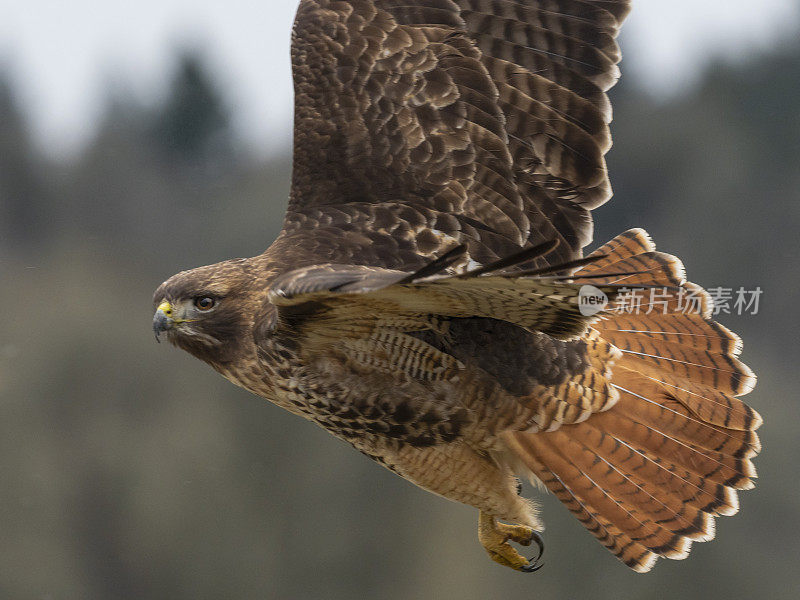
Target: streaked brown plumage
column 434, row 138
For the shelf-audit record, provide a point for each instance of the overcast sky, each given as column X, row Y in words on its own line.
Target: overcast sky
column 63, row 53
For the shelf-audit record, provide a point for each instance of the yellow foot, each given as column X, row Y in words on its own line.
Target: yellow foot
column 495, row 537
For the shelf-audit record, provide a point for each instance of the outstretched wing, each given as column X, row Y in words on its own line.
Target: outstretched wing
column 423, row 124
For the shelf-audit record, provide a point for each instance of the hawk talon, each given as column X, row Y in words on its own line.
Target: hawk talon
column 532, row 567
column 533, row 563
column 495, row 537
column 535, row 537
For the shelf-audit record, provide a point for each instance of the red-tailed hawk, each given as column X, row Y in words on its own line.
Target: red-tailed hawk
column 427, row 300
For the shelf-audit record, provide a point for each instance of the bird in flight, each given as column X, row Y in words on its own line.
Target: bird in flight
column 428, row 300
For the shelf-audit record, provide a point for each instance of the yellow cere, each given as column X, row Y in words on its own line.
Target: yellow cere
column 166, row 308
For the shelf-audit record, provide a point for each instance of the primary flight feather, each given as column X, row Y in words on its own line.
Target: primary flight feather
column 426, row 298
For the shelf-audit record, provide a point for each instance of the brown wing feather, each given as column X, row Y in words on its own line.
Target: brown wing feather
column 424, row 123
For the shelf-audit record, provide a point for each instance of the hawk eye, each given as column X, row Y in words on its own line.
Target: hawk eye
column 204, row 302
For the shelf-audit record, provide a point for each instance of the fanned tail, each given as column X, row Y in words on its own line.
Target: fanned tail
column 649, row 473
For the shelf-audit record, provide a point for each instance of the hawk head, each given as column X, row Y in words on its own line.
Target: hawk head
column 205, row 311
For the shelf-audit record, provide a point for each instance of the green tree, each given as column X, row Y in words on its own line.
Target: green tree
column 22, row 218
column 192, row 125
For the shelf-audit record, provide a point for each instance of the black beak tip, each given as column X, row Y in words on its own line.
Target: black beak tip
column 160, row 325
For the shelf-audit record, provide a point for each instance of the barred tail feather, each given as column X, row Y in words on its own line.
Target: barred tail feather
column 648, row 475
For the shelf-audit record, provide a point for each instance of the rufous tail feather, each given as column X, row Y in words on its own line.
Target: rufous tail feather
column 649, row 472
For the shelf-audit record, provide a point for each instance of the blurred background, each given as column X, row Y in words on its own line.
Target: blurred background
column 139, row 141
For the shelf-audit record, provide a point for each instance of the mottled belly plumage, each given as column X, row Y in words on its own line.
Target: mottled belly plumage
column 501, row 366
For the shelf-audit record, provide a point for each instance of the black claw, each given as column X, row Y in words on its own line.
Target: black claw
column 533, row 563
column 535, row 537
column 532, row 567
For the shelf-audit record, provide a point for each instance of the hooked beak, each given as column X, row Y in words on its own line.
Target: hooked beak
column 163, row 319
